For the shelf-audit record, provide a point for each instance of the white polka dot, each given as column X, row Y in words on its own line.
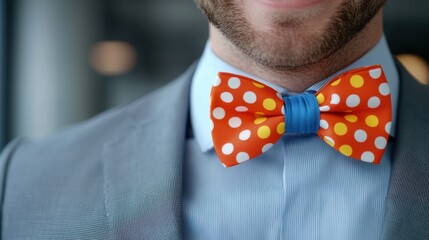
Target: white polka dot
column 241, row 109
column 375, row 73
column 211, row 125
column 244, row 135
column 217, row 82
column 324, row 124
column 219, row 113
column 388, row 127
column 234, row 122
column 226, row 97
column 266, row 147
column 228, row 148
column 234, row 83
column 283, row 110
column 242, row 157
column 353, row 100
column 360, row 136
column 367, row 157
column 324, row 108
column 249, row 97
column 384, row 89
column 380, row 143
column 374, row 102
column 335, row 99
column 329, row 140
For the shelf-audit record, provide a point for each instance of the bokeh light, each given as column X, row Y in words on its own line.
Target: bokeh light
column 112, row 58
column 416, row 65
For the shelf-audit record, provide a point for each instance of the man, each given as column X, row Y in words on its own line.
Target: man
column 148, row 171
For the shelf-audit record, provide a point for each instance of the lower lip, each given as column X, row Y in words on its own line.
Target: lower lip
column 289, row 3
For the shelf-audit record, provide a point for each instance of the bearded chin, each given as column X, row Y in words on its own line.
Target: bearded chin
column 286, row 52
column 287, row 44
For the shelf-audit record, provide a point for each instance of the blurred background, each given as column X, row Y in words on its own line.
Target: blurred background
column 62, row 61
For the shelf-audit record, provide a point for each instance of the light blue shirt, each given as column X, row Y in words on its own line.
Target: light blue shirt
column 300, row 189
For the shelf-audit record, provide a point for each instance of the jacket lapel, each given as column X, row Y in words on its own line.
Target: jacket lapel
column 407, row 208
column 143, row 167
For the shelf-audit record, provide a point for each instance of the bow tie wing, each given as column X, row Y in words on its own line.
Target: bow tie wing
column 356, row 113
column 244, row 112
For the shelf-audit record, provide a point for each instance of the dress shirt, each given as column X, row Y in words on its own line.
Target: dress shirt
column 300, row 189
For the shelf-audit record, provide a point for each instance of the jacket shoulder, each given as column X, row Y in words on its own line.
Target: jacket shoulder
column 57, row 184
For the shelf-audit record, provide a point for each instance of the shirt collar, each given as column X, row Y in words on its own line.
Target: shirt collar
column 210, row 64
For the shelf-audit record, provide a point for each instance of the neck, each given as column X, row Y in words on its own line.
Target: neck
column 300, row 78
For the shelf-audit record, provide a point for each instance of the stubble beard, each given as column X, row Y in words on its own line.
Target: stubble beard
column 287, row 45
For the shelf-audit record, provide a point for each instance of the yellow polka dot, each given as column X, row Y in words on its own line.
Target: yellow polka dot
column 346, row 150
column 281, row 128
column 259, row 114
column 356, row 81
column 340, row 129
column 259, row 118
column 336, row 82
column 264, row 132
column 329, row 141
column 258, row 85
column 351, row 118
column 371, row 121
column 320, row 98
column 269, row 104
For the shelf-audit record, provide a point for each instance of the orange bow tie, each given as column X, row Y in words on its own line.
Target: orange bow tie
column 352, row 114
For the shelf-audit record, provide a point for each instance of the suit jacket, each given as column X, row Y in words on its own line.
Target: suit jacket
column 119, row 175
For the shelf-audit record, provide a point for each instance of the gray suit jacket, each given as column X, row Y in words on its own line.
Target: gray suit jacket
column 119, row 175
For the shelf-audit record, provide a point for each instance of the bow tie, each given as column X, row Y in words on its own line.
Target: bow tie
column 351, row 113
